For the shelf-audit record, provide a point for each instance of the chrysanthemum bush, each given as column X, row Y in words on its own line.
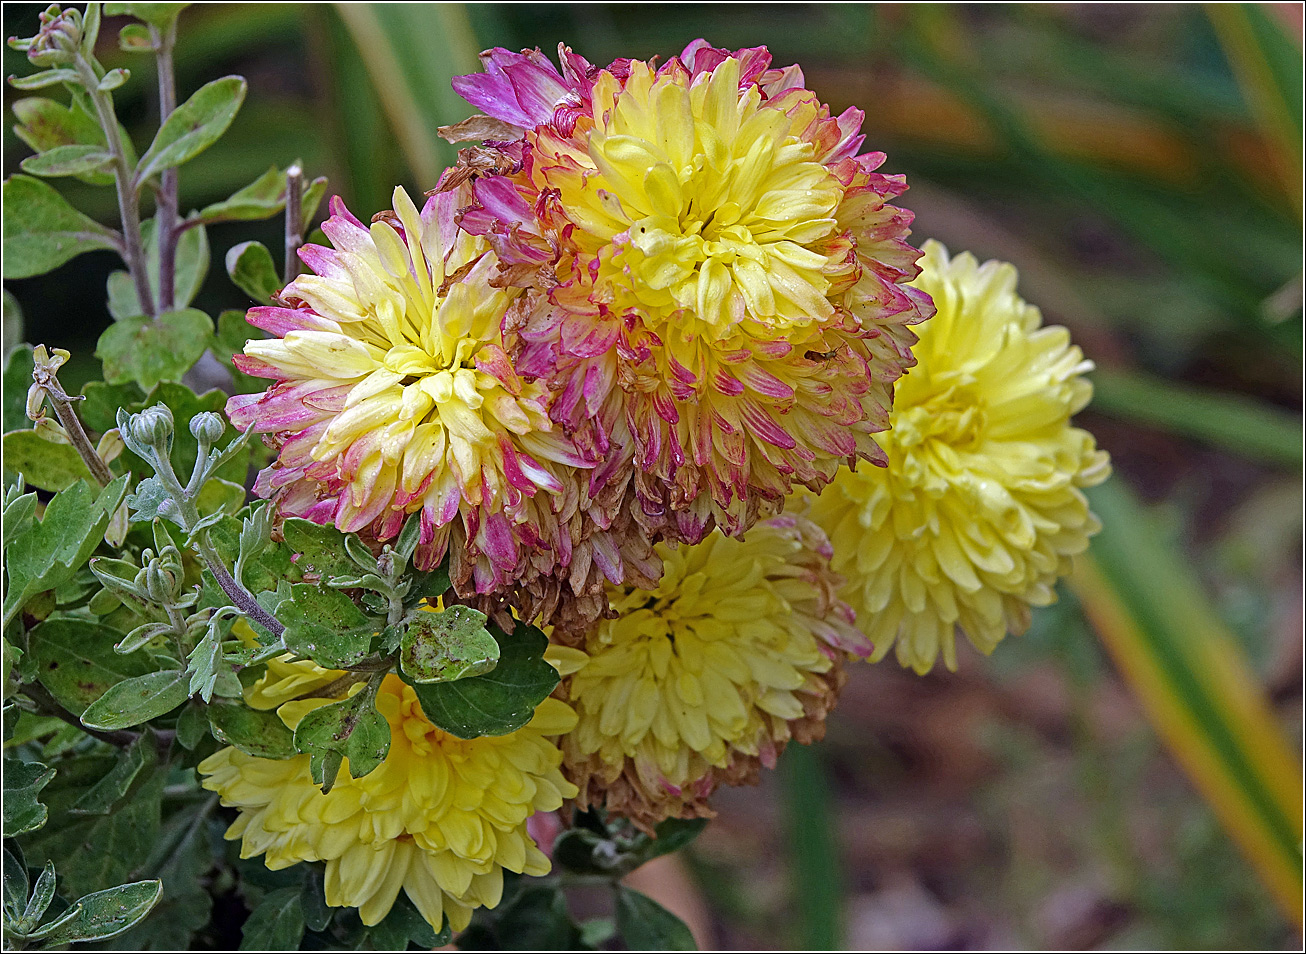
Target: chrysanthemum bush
column 576, row 488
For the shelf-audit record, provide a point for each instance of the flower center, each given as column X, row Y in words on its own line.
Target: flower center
column 954, row 417
column 703, row 205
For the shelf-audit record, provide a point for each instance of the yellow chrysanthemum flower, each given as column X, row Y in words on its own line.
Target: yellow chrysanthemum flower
column 980, row 508
column 705, row 678
column 440, row 818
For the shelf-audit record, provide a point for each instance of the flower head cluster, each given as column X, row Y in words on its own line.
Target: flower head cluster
column 704, row 678
column 395, row 394
column 441, row 818
column 715, row 283
column 980, row 508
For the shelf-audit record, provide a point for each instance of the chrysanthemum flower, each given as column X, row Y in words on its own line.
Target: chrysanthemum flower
column 704, row 678
column 717, row 285
column 441, row 818
column 395, row 394
column 980, row 508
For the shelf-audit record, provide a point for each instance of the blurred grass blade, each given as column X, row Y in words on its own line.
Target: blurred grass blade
column 1267, row 64
column 814, row 866
column 1247, row 427
column 412, row 51
column 1196, row 687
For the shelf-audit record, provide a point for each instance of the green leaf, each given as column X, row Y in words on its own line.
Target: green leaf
column 498, row 702
column 645, row 925
column 43, row 79
column 112, row 80
column 149, row 351
column 47, row 553
column 135, row 38
column 180, row 856
column 67, row 161
column 449, row 645
column 351, row 729
column 76, row 662
column 16, row 886
column 43, row 463
column 254, row 732
column 219, row 496
column 317, row 914
column 137, row 700
column 672, row 834
column 39, row 903
column 152, row 500
column 99, row 410
column 42, row 231
column 596, row 932
column 121, row 289
column 114, row 786
column 19, row 510
column 103, row 914
column 327, row 626
column 23, row 782
column 537, row 920
column 410, row 925
column 194, row 126
column 252, row 270
column 97, row 851
column 90, row 30
column 155, row 14
column 17, row 379
column 402, row 925
column 261, row 199
column 46, row 124
column 277, row 924
column 192, row 725
column 312, row 198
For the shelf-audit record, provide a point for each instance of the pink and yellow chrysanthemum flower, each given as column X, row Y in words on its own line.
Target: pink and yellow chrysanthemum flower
column 717, row 285
column 395, row 394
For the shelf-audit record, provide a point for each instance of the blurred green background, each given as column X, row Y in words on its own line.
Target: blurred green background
column 1141, row 165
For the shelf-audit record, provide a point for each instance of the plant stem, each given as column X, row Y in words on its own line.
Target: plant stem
column 179, row 631
column 241, row 597
column 128, row 198
column 63, row 409
column 294, row 220
column 168, row 201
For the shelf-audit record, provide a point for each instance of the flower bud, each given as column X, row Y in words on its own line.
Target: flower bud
column 158, row 583
column 163, row 577
column 56, row 43
column 207, row 427
column 152, row 426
